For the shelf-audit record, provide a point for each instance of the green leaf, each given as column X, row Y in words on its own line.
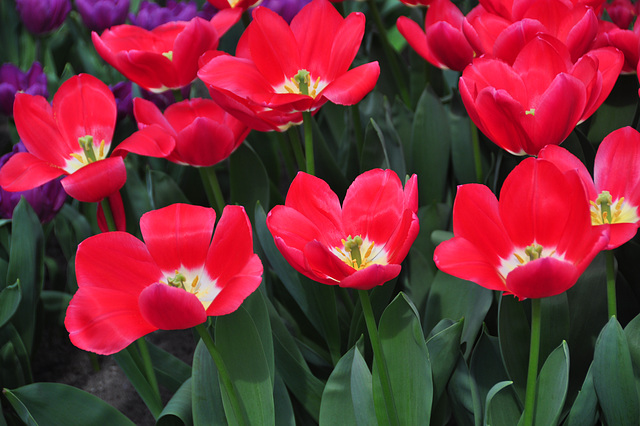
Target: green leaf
column 125, row 359
column 9, row 302
column 171, row 371
column 407, row 361
column 206, row 395
column 444, row 350
column 14, row 358
column 466, row 406
column 501, row 406
column 283, row 407
column 163, row 190
column 613, row 377
column 514, row 334
column 256, row 306
column 551, row 390
column 249, row 179
column 584, row 411
column 348, row 395
column 178, row 409
column 431, row 147
column 374, row 152
column 26, row 263
column 632, row 333
column 60, row 404
column 240, row 346
column 554, row 327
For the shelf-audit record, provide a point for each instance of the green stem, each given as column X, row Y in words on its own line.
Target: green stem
column 296, row 144
column 212, row 188
column 475, row 140
column 611, row 283
column 534, row 354
column 223, row 372
column 108, row 214
column 308, row 142
column 177, row 95
column 378, row 355
column 285, row 149
column 388, row 51
column 148, row 368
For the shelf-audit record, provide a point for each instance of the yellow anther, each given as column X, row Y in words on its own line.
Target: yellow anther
column 194, row 283
column 101, row 149
column 520, row 259
column 78, row 157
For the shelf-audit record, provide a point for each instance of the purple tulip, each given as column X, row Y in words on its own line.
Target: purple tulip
column 151, row 15
column 42, row 16
column 99, row 15
column 124, row 98
column 46, row 200
column 13, row 80
column 164, row 99
column 285, row 8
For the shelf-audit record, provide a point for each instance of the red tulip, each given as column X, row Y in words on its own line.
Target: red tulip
column 174, row 280
column 540, row 99
column 281, row 70
column 203, row 133
column 72, row 137
column 535, row 242
column 359, row 245
column 442, row 42
column 165, row 57
column 614, row 192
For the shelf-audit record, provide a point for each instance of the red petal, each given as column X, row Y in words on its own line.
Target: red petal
column 178, row 236
column 352, row 86
column 566, row 161
column 416, row 38
column 205, row 143
column 371, row 276
column 237, row 288
column 24, row 171
column 196, row 38
column 402, row 238
column 170, row 308
column 325, row 265
column 373, row 206
column 449, row 46
column 512, row 39
column 617, row 165
column 117, row 210
column 292, row 228
column 620, row 233
column 150, row 70
column 151, row 141
column 346, row 43
column 96, row 181
column 224, row 19
column 544, row 277
column 84, row 105
column 237, row 75
column 465, row 260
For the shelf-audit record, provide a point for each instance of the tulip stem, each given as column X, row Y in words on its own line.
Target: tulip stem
column 108, row 214
column 388, row 51
column 475, row 140
column 223, row 372
column 212, row 188
column 534, row 354
column 308, row 142
column 378, row 356
column 294, row 137
column 148, row 369
column 611, row 283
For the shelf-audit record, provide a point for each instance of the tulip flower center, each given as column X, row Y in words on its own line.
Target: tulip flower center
column 90, row 153
column 168, row 55
column 301, row 84
column 203, row 288
column 359, row 253
column 523, row 256
column 602, row 214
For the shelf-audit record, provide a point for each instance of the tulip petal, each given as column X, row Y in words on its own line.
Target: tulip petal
column 96, row 181
column 237, row 288
column 170, row 308
column 325, row 266
column 371, row 276
column 178, row 236
column 346, row 43
column 617, row 165
column 24, row 171
column 352, row 86
column 566, row 161
column 197, row 37
column 544, row 277
column 117, row 211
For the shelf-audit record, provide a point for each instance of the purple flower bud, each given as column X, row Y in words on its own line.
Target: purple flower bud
column 151, row 15
column 207, row 12
column 46, row 200
column 99, row 15
column 285, row 8
column 42, row 16
column 164, row 99
column 124, row 99
column 14, row 80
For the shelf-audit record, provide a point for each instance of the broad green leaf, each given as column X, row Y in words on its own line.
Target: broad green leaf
column 407, row 362
column 431, row 147
column 554, row 327
column 453, row 298
column 584, row 411
column 60, row 404
column 171, row 371
column 178, row 409
column 374, row 152
column 26, row 263
column 282, row 403
column 501, row 406
column 256, row 306
column 613, row 377
column 514, row 334
column 552, row 385
column 14, row 358
column 632, row 333
column 163, row 190
column 444, row 350
column 348, row 397
column 70, row 227
column 127, row 362
column 239, row 344
column 466, row 406
column 248, row 179
column 206, row 396
column 9, row 301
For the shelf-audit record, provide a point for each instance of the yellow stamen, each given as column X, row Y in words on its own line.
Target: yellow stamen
column 78, row 157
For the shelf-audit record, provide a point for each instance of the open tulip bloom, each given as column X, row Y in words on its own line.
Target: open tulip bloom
column 174, row 280
column 535, row 242
column 72, row 137
column 165, row 57
column 359, row 245
column 614, row 191
column 279, row 71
